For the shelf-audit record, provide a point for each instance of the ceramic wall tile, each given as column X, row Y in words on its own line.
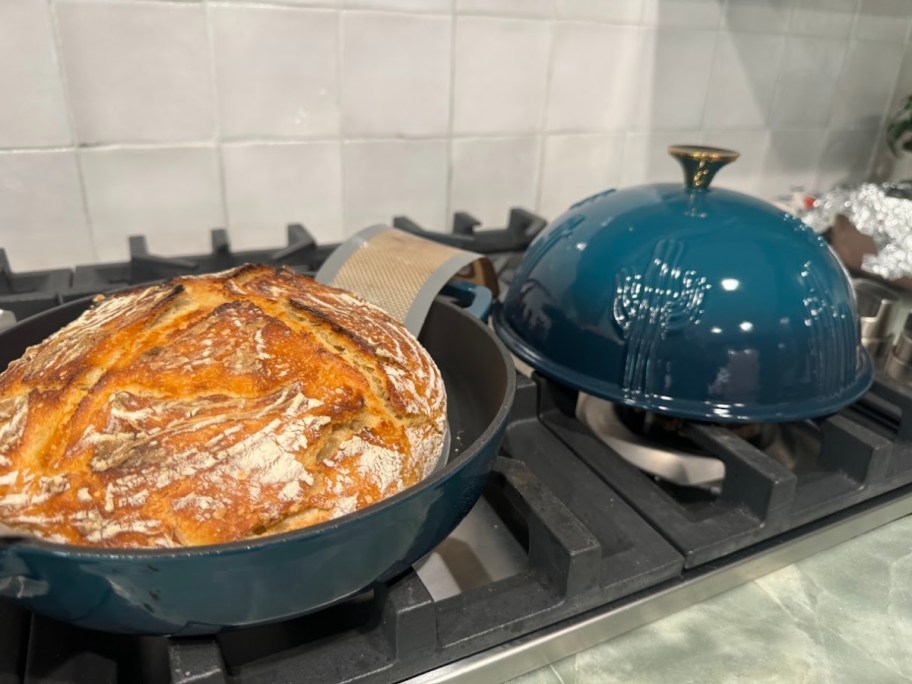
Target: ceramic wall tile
column 499, row 81
column 807, row 84
column 791, row 162
column 743, row 80
column 615, row 11
column 382, row 179
column 675, row 72
column 823, row 17
column 268, row 186
column 491, row 175
column 277, row 71
column 646, row 158
column 577, row 166
column 395, row 74
column 846, row 158
column 32, row 109
column 137, row 71
column 41, row 206
column 883, row 20
column 760, row 16
column 744, row 173
column 596, row 75
column 690, row 13
column 433, row 6
column 866, row 84
column 170, row 194
column 508, row 8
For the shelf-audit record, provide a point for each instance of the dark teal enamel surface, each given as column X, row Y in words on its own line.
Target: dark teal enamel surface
column 707, row 304
column 207, row 589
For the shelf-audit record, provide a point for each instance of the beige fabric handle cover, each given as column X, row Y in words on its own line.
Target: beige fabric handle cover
column 399, row 272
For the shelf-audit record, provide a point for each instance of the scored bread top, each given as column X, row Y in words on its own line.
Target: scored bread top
column 213, row 408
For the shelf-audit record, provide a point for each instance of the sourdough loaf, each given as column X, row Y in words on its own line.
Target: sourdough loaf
column 215, row 408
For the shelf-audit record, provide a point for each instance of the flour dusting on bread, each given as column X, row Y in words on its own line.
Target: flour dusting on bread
column 215, row 408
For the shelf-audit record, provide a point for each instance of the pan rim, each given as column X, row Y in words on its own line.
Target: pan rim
column 90, row 553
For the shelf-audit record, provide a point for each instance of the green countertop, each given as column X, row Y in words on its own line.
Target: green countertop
column 842, row 615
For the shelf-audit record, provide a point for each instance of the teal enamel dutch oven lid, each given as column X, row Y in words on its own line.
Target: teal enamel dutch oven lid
column 689, row 301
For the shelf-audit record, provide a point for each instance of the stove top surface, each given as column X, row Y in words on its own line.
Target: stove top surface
column 587, row 527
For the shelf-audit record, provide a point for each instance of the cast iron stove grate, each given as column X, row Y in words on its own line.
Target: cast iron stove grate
column 29, row 293
column 864, row 451
column 584, row 547
column 26, row 294
column 588, row 552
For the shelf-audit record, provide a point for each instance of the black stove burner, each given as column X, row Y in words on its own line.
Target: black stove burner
column 301, row 251
column 796, row 445
column 26, row 294
column 667, row 431
column 761, row 496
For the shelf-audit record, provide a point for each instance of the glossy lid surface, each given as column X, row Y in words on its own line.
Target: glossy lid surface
column 692, row 301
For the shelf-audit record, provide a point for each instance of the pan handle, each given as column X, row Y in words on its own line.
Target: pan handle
column 474, row 299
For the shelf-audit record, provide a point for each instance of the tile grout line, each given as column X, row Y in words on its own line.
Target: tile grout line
column 709, row 83
column 543, row 117
column 340, row 107
column 71, row 122
column 780, row 75
column 448, row 204
column 216, row 112
column 882, row 126
column 505, row 135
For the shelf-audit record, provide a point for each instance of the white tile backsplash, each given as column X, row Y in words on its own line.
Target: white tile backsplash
column 823, row 17
column 791, row 161
column 507, row 8
column 743, row 80
column 137, row 71
column 866, row 84
column 500, row 67
column 184, row 116
column 691, row 13
column 845, row 158
column 883, row 20
column 396, row 75
column 616, row 11
column 490, row 175
column 277, row 71
column 674, row 71
column 744, row 173
column 385, row 178
column 903, row 88
column 268, row 186
column 32, row 112
column 577, row 166
column 402, row 5
column 41, row 207
column 171, row 194
column 578, row 103
column 806, row 90
column 760, row 16
column 646, row 158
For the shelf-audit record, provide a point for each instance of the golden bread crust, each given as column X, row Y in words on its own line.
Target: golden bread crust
column 214, row 408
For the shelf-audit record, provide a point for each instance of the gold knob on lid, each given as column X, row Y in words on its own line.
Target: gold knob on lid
column 701, row 163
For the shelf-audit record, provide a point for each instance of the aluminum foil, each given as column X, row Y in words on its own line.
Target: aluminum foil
column 882, row 211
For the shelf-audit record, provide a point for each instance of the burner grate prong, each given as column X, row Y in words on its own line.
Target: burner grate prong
column 762, row 484
column 196, row 660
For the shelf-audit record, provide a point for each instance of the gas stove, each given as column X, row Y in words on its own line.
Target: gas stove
column 596, row 520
